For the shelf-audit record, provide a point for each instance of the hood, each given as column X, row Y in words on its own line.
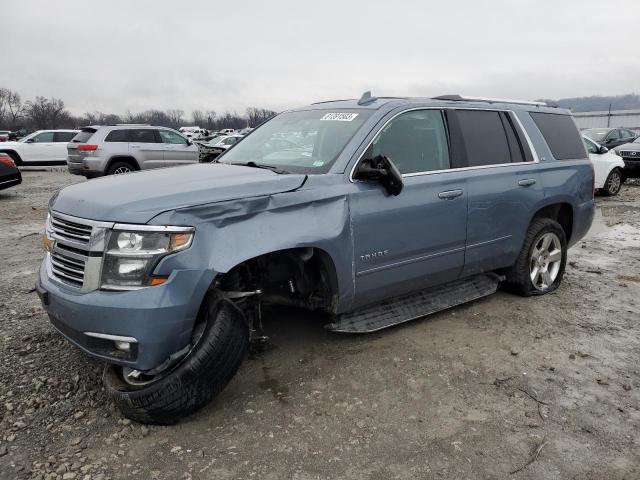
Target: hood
column 140, row 196
column 11, row 143
column 629, row 147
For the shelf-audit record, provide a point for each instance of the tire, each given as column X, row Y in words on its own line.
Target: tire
column 196, row 380
column 613, row 183
column 519, row 276
column 120, row 167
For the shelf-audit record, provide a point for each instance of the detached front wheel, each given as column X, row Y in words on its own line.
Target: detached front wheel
column 219, row 346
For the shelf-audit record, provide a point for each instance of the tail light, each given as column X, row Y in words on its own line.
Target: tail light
column 87, row 148
column 7, row 160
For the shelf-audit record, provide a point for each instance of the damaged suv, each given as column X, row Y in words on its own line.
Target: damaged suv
column 376, row 211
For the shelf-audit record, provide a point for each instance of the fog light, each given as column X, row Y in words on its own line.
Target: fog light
column 124, row 346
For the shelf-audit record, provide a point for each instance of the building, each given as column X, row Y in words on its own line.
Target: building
column 614, row 118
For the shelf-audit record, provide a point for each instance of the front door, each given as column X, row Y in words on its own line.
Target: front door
column 177, row 151
column 39, row 148
column 416, row 239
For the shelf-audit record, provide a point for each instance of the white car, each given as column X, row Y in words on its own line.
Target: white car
column 194, row 133
column 607, row 167
column 44, row 147
column 226, row 141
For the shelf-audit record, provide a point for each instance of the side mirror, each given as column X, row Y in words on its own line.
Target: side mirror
column 29, row 141
column 602, row 149
column 381, row 169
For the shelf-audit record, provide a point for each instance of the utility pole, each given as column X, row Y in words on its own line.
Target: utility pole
column 609, row 117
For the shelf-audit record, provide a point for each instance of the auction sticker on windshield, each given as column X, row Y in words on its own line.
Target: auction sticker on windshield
column 339, row 116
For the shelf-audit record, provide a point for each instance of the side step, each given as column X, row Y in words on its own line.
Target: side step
column 415, row 305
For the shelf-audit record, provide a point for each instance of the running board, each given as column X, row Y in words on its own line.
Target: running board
column 415, row 305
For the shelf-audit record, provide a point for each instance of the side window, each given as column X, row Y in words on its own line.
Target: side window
column 613, row 134
column 415, row 141
column 590, row 146
column 142, row 135
column 629, row 134
column 561, row 134
column 117, row 136
column 63, row 137
column 44, row 137
column 485, row 138
column 168, row 136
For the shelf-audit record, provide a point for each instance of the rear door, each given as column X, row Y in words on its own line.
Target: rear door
column 416, row 239
column 177, row 150
column 60, row 141
column 146, row 147
column 503, row 186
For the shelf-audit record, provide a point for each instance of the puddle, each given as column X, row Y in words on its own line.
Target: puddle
column 621, row 235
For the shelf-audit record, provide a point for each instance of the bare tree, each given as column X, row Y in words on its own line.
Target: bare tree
column 46, row 113
column 11, row 107
column 175, row 118
column 256, row 116
column 198, row 118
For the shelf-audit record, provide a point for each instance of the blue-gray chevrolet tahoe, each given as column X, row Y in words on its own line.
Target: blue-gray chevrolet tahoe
column 377, row 211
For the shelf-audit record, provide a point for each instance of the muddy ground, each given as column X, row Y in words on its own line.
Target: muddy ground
column 475, row 392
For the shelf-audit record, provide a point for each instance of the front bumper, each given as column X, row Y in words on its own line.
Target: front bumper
column 631, row 168
column 160, row 318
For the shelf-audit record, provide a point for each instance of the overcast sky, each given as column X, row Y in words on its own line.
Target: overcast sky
column 116, row 55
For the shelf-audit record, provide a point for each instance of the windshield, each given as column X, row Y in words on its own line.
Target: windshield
column 596, row 135
column 299, row 142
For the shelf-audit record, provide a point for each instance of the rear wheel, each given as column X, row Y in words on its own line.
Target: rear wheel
column 118, row 168
column 613, row 183
column 219, row 345
column 540, row 266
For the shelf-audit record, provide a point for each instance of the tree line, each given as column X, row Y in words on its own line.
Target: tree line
column 50, row 113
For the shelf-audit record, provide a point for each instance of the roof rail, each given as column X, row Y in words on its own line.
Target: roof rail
column 130, row 124
column 460, row 98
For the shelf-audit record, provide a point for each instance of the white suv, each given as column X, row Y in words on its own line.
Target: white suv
column 44, row 147
column 113, row 149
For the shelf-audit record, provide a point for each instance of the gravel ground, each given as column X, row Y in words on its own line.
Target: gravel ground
column 475, row 392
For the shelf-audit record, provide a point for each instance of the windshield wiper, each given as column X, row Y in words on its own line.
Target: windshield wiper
column 252, row 164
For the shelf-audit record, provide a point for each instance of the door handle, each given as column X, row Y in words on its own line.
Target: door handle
column 449, row 194
column 135, row 146
column 526, row 182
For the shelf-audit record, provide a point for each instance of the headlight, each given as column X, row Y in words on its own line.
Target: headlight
column 132, row 254
column 617, row 152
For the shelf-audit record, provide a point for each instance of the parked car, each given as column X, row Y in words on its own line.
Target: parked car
column 386, row 211
column 630, row 153
column 607, row 167
column 4, row 135
column 227, row 131
column 211, row 150
column 9, row 173
column 610, row 137
column 114, row 149
column 44, row 147
column 193, row 133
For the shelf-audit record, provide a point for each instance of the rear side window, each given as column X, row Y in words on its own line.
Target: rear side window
column 83, row 135
column 485, row 138
column 141, row 135
column 118, row 136
column 63, row 136
column 561, row 134
column 415, row 141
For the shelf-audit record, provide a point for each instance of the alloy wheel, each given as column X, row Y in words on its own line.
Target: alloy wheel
column 546, row 258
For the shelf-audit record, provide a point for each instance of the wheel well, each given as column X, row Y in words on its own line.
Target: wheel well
column 130, row 160
column 303, row 277
column 13, row 154
column 561, row 213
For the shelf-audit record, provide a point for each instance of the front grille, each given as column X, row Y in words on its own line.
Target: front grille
column 75, row 232
column 630, row 154
column 69, row 269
